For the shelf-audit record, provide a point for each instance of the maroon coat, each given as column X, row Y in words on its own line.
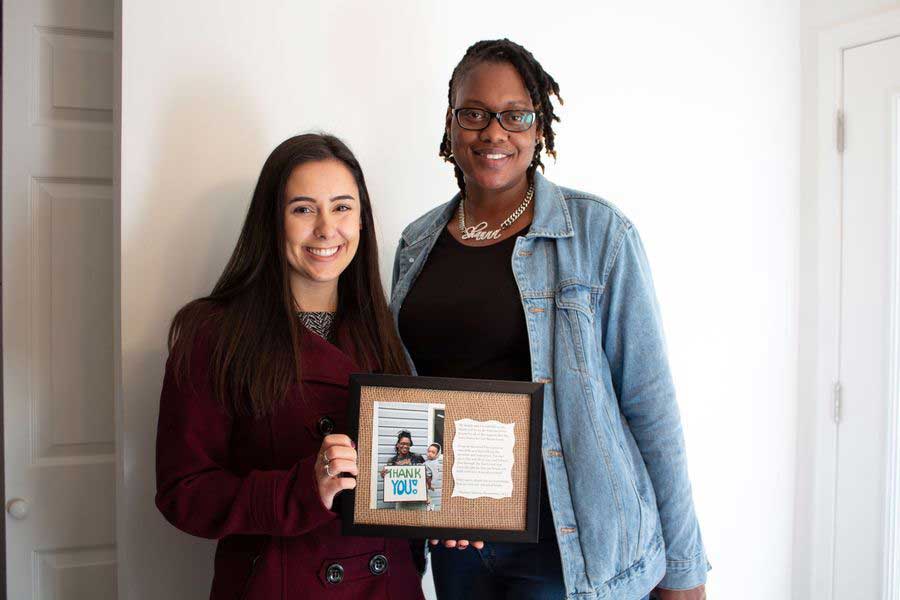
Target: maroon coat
column 250, row 484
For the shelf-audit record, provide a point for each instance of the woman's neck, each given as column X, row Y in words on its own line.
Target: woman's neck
column 314, row 296
column 493, row 206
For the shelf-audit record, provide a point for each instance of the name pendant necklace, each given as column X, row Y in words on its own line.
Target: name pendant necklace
column 480, row 232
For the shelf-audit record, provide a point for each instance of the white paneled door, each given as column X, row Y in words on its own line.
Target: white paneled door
column 57, row 283
column 867, row 424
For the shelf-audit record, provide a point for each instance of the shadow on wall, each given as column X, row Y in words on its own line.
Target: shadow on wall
column 189, row 183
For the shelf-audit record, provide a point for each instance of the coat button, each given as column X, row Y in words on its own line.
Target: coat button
column 334, row 573
column 326, row 426
column 378, row 564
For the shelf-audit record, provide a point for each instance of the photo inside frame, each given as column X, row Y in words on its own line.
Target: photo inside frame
column 407, row 456
column 485, row 435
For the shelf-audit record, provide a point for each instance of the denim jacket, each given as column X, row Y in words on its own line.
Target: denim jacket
column 613, row 450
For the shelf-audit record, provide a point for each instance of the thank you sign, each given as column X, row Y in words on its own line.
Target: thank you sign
column 404, row 483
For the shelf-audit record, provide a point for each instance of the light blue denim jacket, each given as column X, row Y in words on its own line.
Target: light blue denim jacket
column 613, row 449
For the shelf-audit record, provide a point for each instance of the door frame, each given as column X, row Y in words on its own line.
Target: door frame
column 832, row 44
column 2, row 425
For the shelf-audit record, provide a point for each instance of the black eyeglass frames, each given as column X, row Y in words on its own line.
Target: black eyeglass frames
column 476, row 119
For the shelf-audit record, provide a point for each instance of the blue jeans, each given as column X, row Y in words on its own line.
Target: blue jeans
column 499, row 571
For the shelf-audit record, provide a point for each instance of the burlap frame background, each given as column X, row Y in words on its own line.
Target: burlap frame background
column 507, row 514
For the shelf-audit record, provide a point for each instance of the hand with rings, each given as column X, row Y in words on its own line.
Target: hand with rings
column 336, row 456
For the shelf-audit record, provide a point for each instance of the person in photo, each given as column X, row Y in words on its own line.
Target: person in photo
column 432, row 466
column 433, row 452
column 403, row 456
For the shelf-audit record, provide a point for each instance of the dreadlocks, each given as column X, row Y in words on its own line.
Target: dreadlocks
column 539, row 83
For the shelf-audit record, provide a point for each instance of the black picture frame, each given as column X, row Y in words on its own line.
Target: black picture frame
column 535, row 391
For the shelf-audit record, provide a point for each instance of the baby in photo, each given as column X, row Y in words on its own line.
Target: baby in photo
column 433, row 458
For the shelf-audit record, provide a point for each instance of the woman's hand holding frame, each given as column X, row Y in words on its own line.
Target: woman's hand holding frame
column 337, row 456
column 459, row 544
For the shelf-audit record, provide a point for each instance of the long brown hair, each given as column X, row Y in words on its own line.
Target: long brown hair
column 249, row 317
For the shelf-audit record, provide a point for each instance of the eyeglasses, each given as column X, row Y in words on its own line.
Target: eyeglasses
column 406, row 444
column 476, row 119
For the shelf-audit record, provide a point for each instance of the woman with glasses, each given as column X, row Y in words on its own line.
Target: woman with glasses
column 403, row 455
column 517, row 278
column 249, row 445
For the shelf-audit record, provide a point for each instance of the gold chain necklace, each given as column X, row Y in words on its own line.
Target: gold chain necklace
column 480, row 232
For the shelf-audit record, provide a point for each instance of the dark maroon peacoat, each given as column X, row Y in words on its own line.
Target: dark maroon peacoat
column 250, row 484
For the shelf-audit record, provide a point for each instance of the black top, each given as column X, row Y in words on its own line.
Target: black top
column 463, row 317
column 410, row 459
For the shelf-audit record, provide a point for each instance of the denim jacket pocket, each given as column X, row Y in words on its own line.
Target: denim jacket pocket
column 575, row 295
column 640, row 483
column 575, row 303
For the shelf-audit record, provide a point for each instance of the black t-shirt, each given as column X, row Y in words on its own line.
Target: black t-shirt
column 410, row 459
column 463, row 317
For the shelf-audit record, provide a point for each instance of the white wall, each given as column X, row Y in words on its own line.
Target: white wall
column 684, row 114
column 817, row 16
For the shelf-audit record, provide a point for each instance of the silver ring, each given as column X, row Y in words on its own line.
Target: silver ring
column 325, row 459
column 328, row 470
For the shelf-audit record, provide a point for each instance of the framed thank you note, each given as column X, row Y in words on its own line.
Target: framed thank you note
column 445, row 458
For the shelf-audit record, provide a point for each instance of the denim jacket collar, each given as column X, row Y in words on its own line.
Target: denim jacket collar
column 551, row 216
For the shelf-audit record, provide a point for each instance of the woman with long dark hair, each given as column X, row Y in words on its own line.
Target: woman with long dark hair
column 517, row 278
column 249, row 449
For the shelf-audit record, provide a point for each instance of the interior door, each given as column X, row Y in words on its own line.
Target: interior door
column 868, row 293
column 59, row 431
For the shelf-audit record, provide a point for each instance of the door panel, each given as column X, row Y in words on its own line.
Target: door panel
column 871, row 89
column 58, row 373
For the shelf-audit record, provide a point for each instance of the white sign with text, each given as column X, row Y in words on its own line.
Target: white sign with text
column 404, row 483
column 483, row 459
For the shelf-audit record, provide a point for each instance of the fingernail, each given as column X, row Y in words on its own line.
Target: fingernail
column 353, row 444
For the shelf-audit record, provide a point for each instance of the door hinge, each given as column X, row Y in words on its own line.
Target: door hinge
column 839, row 132
column 836, row 393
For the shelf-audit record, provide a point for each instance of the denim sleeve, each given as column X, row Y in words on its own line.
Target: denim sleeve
column 634, row 345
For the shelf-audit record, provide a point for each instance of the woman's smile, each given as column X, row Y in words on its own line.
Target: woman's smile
column 323, row 254
column 492, row 153
column 492, row 158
